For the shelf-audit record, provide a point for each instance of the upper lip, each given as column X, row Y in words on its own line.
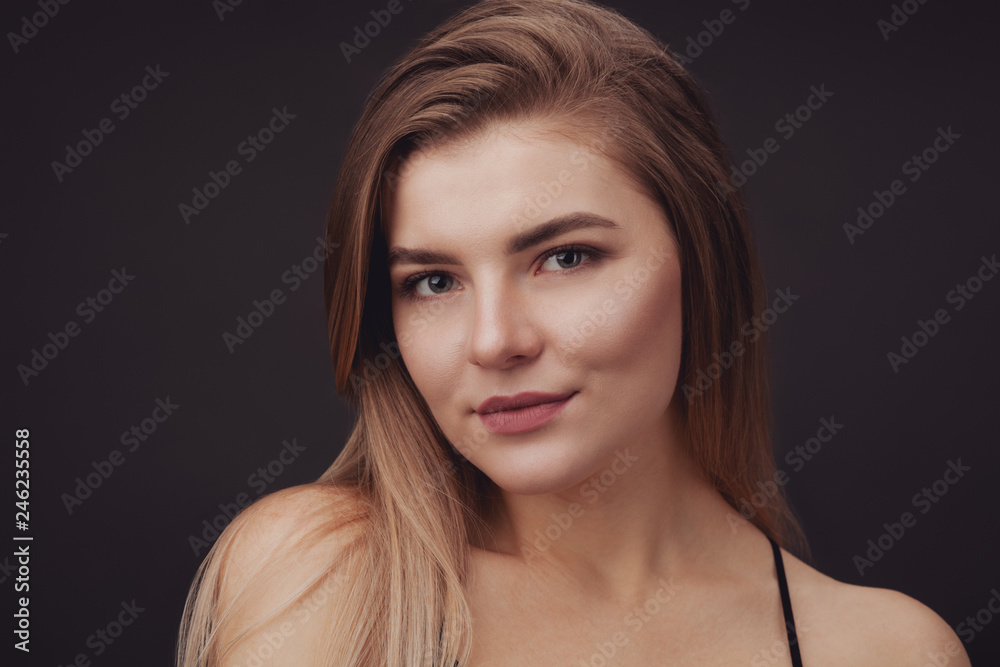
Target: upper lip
column 522, row 400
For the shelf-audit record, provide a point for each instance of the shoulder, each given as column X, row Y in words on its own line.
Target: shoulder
column 308, row 519
column 280, row 566
column 297, row 510
column 841, row 623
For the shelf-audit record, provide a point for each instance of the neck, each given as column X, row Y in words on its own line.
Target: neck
column 645, row 515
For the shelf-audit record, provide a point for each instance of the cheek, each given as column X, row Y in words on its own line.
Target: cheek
column 431, row 351
column 632, row 342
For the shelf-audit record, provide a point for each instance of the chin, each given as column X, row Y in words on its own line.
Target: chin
column 533, row 468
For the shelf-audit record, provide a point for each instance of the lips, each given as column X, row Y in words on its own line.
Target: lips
column 518, row 401
column 521, row 413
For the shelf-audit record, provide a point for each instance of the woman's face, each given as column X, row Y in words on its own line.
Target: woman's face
column 522, row 262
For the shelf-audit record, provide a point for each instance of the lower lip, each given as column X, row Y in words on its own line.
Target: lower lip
column 524, row 419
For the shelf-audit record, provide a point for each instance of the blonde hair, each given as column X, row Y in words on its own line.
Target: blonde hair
column 421, row 503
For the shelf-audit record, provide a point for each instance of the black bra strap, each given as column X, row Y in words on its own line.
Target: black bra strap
column 786, row 605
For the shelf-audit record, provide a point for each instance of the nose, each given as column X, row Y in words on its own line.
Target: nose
column 503, row 330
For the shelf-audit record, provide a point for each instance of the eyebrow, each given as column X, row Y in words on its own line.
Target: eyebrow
column 540, row 234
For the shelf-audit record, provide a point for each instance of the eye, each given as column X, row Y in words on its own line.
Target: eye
column 426, row 284
column 567, row 258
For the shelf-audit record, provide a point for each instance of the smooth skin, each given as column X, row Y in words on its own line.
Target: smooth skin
column 611, row 548
column 561, row 587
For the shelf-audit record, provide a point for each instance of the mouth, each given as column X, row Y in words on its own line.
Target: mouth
column 525, row 399
column 522, row 412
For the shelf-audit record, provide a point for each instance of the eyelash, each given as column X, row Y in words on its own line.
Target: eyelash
column 407, row 288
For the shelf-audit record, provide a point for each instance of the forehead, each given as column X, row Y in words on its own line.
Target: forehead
column 501, row 182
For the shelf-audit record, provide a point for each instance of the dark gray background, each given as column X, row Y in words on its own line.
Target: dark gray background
column 162, row 336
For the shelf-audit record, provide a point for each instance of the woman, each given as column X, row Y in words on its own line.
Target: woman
column 537, row 257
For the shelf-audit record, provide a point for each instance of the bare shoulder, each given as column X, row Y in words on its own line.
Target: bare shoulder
column 283, row 563
column 840, row 623
column 312, row 517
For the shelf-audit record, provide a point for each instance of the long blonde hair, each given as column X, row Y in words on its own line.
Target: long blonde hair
column 421, row 502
